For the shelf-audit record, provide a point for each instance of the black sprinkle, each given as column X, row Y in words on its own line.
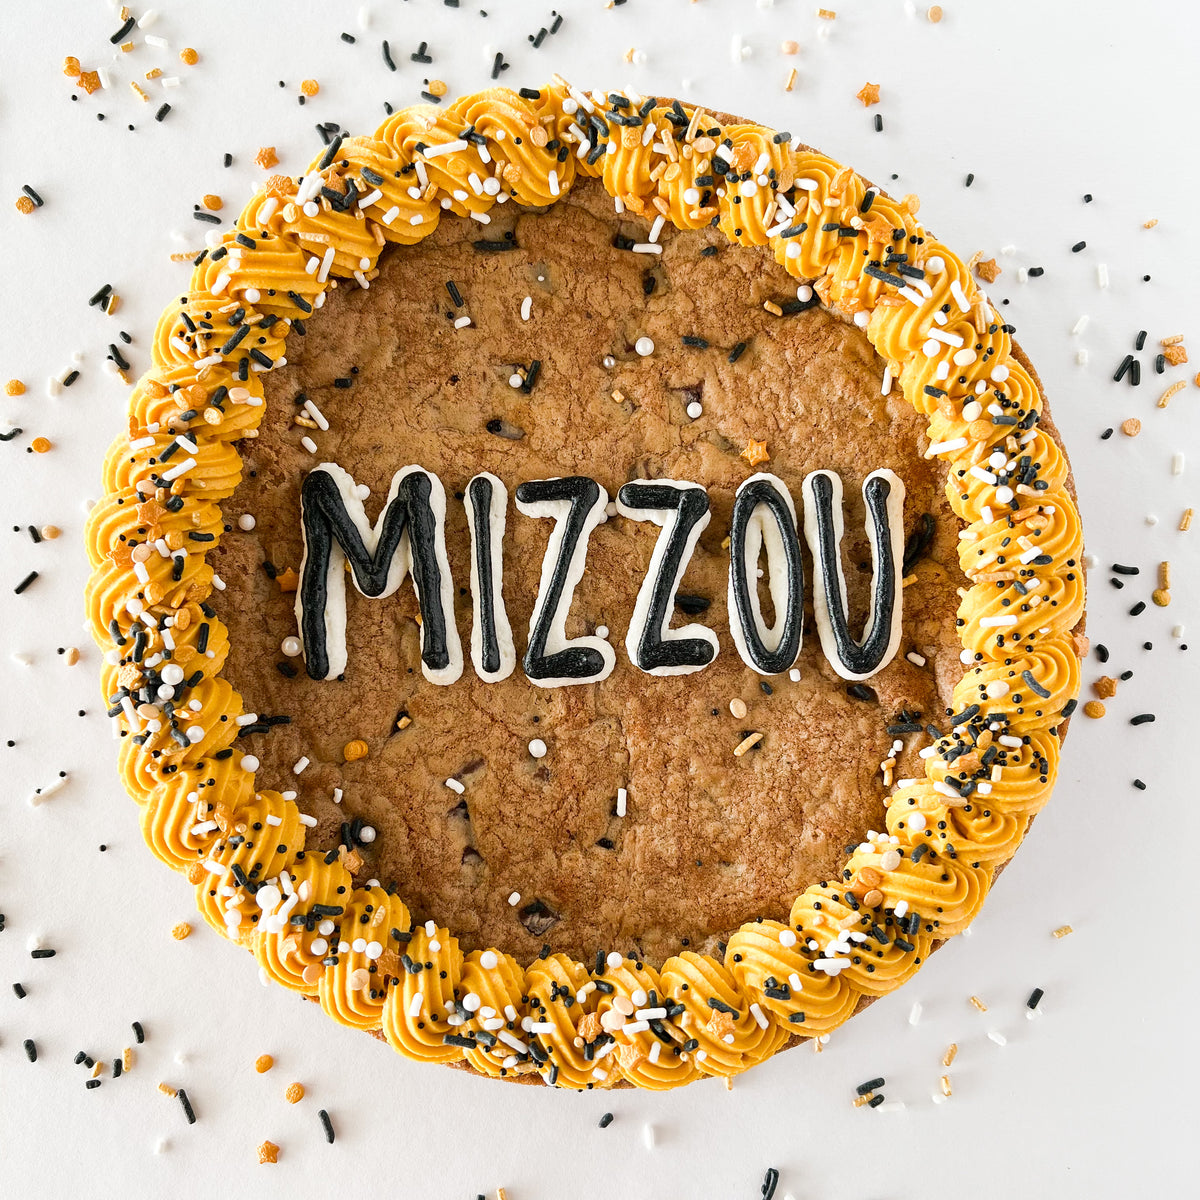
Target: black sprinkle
column 326, row 1124
column 188, row 1111
column 18, row 991
column 1075, row 249
column 162, row 112
column 120, row 34
column 1035, row 998
column 41, row 953
column 138, row 1032
column 31, row 1049
column 25, row 582
column 37, row 200
column 606, row 1120
column 1142, row 719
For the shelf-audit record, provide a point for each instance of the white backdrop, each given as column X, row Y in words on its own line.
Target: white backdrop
column 1043, row 103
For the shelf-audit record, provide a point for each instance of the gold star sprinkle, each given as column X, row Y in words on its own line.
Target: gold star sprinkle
column 756, row 453
column 868, row 94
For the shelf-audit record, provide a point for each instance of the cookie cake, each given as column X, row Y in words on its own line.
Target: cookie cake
column 591, row 591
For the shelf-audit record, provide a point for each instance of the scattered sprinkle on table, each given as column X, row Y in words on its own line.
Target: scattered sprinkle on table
column 181, row 931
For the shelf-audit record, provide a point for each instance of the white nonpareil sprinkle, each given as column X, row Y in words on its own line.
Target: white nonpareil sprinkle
column 644, row 346
column 537, row 748
column 455, row 786
column 695, row 409
column 290, row 646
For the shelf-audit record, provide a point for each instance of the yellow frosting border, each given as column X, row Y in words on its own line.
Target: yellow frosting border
column 619, row 1020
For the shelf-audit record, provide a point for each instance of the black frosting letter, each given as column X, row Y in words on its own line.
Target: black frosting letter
column 552, row 659
column 653, row 646
column 767, row 651
column 408, row 537
column 883, row 495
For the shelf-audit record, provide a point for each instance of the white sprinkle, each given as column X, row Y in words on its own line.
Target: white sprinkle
column 996, row 1036
column 461, row 322
column 996, row 622
column 414, row 1005
column 537, row 748
column 246, row 522
column 308, row 444
column 526, row 308
column 648, row 1129
column 622, row 801
column 249, row 762
column 695, row 409
column 514, row 898
column 515, row 380
column 759, row 1016
column 891, row 1106
column 787, row 937
column 455, row 786
column 445, row 148
column 644, row 346
column 1177, row 463
column 316, row 414
column 945, row 447
column 1102, row 275
column 914, row 1013
column 1080, row 325
column 179, row 469
column 614, row 959
column 885, row 388
column 916, row 659
column 646, row 248
column 291, row 646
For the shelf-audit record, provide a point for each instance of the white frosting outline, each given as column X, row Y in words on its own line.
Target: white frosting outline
column 895, row 511
column 398, row 569
column 497, row 520
column 641, row 608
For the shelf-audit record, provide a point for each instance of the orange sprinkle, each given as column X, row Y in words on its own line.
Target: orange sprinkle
column 1094, row 709
column 310, row 87
column 213, row 203
column 14, row 387
column 189, row 56
column 756, row 453
column 353, row 751
column 268, row 1152
column 71, row 66
column 41, row 445
column 868, row 94
column 126, row 47
column 1062, row 931
column 263, row 1063
column 89, row 81
column 287, row 580
column 154, row 74
column 266, row 157
column 438, row 88
column 979, row 1004
column 787, row 87
column 25, row 205
column 295, row 1093
column 138, row 90
column 180, row 931
column 951, row 1053
column 934, row 13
